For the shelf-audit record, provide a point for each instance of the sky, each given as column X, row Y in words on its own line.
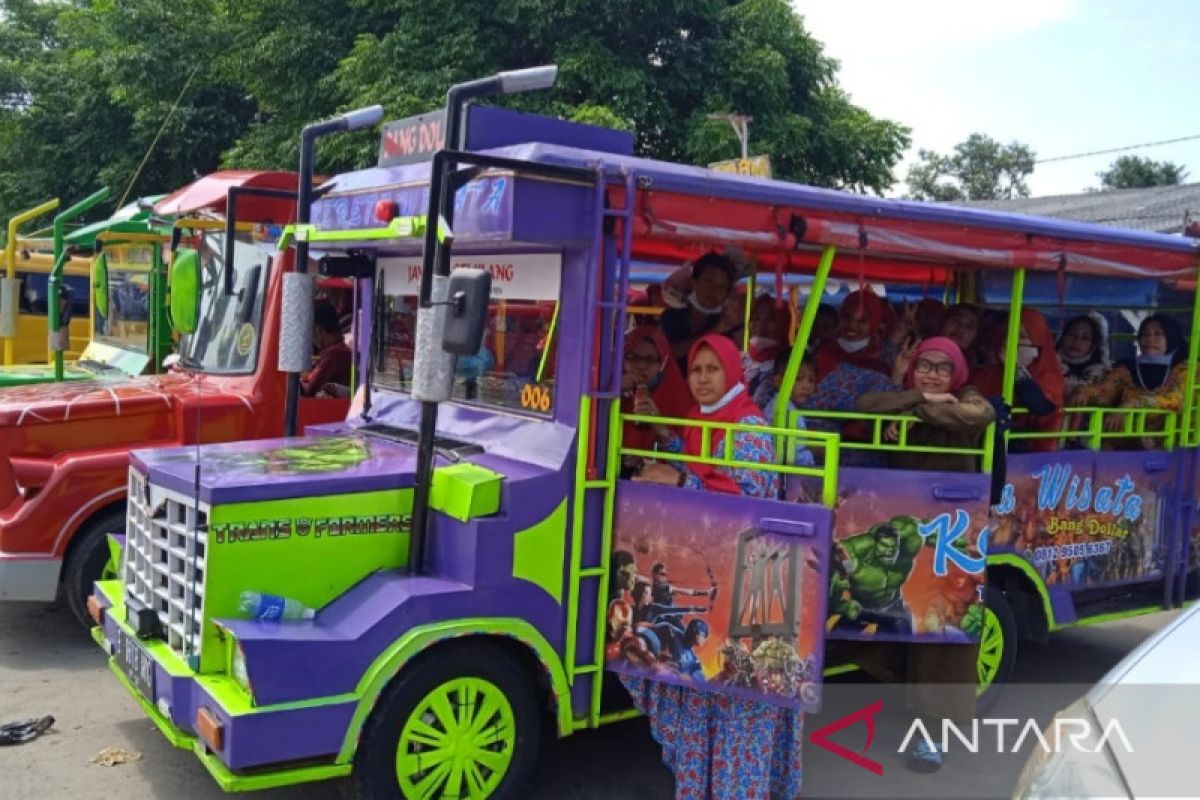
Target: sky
column 1062, row 76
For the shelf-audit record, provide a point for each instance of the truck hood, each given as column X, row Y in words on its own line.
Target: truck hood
column 280, row 469
column 36, row 404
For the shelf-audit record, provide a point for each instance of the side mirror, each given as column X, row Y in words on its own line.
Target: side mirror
column 466, row 317
column 184, row 283
column 100, row 284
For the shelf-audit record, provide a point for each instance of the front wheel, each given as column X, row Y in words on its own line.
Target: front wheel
column 997, row 646
column 90, row 560
column 463, row 722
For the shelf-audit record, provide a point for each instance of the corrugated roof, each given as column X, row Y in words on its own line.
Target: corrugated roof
column 1161, row 209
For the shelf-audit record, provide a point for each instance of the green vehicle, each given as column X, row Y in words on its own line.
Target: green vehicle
column 126, row 296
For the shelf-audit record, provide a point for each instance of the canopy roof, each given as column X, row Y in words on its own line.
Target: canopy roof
column 132, row 218
column 210, row 193
column 682, row 211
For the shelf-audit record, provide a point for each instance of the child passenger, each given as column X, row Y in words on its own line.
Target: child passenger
column 802, row 391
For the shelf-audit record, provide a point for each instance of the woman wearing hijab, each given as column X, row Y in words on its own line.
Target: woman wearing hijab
column 715, row 381
column 769, row 323
column 1154, row 379
column 713, row 277
column 949, row 413
column 1083, row 351
column 650, row 385
column 961, row 324
column 720, row 747
column 1039, row 386
column 852, row 363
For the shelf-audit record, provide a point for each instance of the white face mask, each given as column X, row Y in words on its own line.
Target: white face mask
column 1158, row 360
column 695, row 303
column 1027, row 354
column 853, row 345
column 763, row 342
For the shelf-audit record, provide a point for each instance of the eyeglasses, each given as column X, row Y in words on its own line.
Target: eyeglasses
column 941, row 368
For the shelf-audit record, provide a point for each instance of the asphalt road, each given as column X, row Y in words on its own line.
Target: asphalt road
column 48, row 665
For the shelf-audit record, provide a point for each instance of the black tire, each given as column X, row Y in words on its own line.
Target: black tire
column 86, row 560
column 997, row 603
column 375, row 762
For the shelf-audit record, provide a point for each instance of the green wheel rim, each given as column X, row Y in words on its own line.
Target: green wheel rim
column 457, row 743
column 991, row 650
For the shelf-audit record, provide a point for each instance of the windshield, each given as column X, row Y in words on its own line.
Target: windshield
column 229, row 329
column 128, row 322
column 515, row 367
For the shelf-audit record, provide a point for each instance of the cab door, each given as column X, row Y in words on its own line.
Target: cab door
column 721, row 592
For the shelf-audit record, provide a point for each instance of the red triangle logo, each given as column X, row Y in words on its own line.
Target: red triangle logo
column 820, row 737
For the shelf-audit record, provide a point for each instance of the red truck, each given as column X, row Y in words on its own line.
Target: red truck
column 64, row 447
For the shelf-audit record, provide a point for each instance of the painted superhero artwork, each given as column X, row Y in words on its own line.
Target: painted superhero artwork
column 908, row 556
column 719, row 592
column 1085, row 519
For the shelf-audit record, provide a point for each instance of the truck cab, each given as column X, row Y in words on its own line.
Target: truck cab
column 63, row 463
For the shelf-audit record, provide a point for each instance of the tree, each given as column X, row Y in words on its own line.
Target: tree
column 980, row 168
column 145, row 95
column 1135, row 172
column 655, row 67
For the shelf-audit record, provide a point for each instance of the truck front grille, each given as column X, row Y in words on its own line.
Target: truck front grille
column 164, row 561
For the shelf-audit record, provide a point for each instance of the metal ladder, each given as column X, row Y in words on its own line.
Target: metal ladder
column 600, row 402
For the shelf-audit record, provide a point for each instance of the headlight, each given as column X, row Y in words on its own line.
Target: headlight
column 1073, row 769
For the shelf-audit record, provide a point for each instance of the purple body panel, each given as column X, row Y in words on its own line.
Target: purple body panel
column 239, row 472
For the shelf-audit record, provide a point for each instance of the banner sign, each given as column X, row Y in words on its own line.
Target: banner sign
column 408, row 141
column 527, row 276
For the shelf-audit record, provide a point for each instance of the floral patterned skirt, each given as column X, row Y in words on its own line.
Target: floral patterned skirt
column 721, row 747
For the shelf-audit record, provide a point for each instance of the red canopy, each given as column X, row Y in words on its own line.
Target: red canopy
column 210, row 193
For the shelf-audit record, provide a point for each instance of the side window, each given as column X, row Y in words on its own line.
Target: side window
column 33, row 293
column 35, row 288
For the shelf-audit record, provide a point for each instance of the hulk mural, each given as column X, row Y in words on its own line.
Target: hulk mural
column 877, row 581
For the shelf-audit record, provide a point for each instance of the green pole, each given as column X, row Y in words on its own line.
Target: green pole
column 1189, row 434
column 806, row 323
column 1013, row 339
column 60, row 259
column 751, row 288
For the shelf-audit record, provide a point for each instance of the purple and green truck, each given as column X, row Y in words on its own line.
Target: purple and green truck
column 478, row 566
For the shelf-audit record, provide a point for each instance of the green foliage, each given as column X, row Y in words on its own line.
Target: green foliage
column 980, row 168
column 88, row 86
column 1135, row 172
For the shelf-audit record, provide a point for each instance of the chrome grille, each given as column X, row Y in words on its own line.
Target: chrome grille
column 164, row 563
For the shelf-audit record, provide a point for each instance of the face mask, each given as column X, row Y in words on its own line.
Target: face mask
column 1147, row 360
column 851, row 346
column 1027, row 354
column 763, row 342
column 695, row 303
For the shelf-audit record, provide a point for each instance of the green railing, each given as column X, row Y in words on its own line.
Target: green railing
column 878, row 424
column 1088, row 424
column 785, row 440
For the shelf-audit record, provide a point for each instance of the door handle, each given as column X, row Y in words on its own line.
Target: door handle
column 956, row 494
column 1156, row 464
column 787, row 527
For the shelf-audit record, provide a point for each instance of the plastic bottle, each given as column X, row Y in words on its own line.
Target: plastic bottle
column 273, row 608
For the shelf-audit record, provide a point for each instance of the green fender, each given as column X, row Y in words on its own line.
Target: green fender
column 388, row 665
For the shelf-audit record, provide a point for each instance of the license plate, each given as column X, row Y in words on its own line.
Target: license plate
column 136, row 663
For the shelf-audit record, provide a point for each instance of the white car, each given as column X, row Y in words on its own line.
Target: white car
column 1143, row 719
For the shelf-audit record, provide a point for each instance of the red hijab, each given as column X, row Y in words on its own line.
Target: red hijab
column 871, row 306
column 736, row 410
column 1046, row 371
column 670, row 394
column 948, row 347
